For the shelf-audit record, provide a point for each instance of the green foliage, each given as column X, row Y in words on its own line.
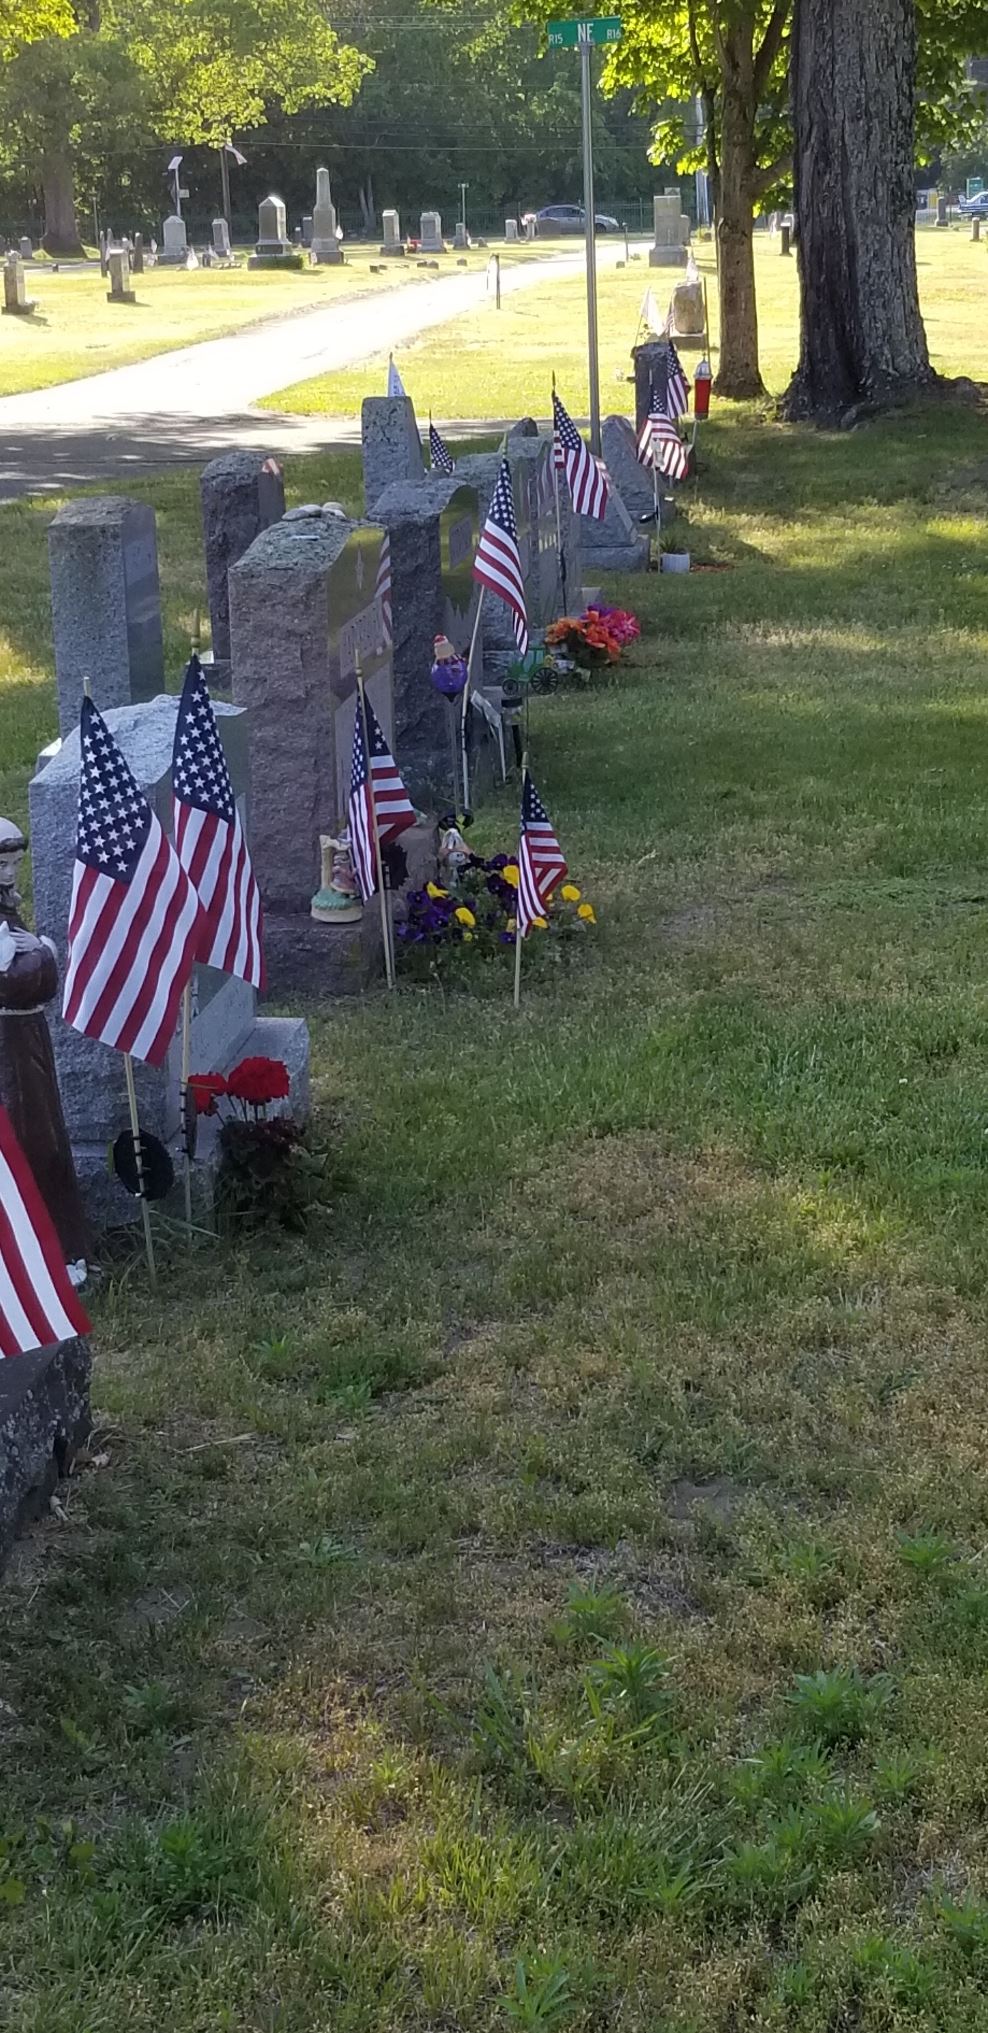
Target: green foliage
column 591, row 1614
column 839, row 1704
column 927, row 1553
column 541, row 1997
column 630, row 1682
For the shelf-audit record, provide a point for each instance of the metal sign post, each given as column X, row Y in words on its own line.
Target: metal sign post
column 582, row 35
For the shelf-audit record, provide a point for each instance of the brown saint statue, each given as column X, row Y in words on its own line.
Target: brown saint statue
column 28, row 1082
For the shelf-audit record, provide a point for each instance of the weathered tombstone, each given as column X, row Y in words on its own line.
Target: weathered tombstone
column 307, row 605
column 221, row 239
column 26, row 248
column 307, row 229
column 44, row 1423
column 431, row 233
column 943, row 212
column 615, row 544
column 272, row 240
column 392, row 242
column 225, row 1026
column 670, row 231
column 392, row 447
column 975, row 228
column 625, row 470
column 511, row 229
column 651, row 376
column 433, row 526
column 460, row 239
column 15, row 297
column 242, row 493
column 106, row 603
column 689, row 314
column 137, row 257
column 325, row 242
column 120, row 291
column 785, row 238
column 104, row 253
column 532, row 228
column 530, row 459
column 174, row 251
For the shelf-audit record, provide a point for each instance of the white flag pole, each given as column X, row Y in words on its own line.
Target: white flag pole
column 135, row 1130
column 378, row 856
column 518, row 939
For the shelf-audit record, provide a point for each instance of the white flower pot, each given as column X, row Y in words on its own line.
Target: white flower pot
column 675, row 561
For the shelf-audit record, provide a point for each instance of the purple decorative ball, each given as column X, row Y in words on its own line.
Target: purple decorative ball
column 449, row 675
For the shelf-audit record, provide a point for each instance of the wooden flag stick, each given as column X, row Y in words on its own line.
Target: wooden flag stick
column 378, row 856
column 518, row 941
column 135, row 1128
column 471, row 653
column 559, row 520
column 183, row 1094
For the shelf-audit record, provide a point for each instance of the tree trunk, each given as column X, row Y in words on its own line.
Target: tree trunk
column 61, row 235
column 366, row 195
column 861, row 332
column 738, row 373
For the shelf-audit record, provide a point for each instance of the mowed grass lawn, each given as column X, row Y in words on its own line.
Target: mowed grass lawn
column 553, row 1594
column 488, row 363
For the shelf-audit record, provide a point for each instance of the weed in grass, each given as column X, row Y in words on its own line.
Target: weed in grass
column 842, row 1827
column 788, row 1766
column 896, row 1971
column 326, row 1551
column 900, row 1774
column 590, row 1615
column 631, row 1683
column 541, row 1997
column 965, row 1923
column 151, row 1708
column 927, row 1553
column 767, row 1876
column 838, row 1704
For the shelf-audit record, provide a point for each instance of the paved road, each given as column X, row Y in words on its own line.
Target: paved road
column 194, row 403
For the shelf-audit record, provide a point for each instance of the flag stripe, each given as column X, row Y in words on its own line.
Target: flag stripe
column 210, row 840
column 586, row 477
column 38, row 1305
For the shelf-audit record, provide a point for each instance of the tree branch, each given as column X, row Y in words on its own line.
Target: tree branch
column 703, row 82
column 771, row 45
column 763, row 179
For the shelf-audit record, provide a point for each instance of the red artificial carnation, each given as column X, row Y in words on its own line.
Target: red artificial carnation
column 259, row 1081
column 206, row 1089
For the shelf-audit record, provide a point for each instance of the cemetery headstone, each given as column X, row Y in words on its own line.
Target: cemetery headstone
column 651, row 360
column 689, row 317
column 106, row 604
column 785, row 238
column 174, row 251
column 104, row 253
column 431, row 233
column 307, row 229
column 943, row 212
column 325, row 242
column 391, row 444
column 273, row 244
column 615, row 544
column 15, row 298
column 975, row 229
column 225, row 1025
column 433, row 525
column 671, row 231
column 45, row 1422
column 511, row 229
column 221, row 239
column 120, row 291
column 137, row 257
column 460, row 239
column 242, row 493
column 306, row 606
column 624, row 468
column 26, row 248
column 392, row 242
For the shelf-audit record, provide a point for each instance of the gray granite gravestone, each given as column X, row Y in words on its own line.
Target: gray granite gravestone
column 626, row 472
column 273, row 244
column 15, row 297
column 174, row 250
column 431, row 233
column 25, row 248
column 137, row 255
column 392, row 242
column 651, row 376
column 120, row 291
column 221, row 240
column 242, row 493
column 511, row 229
column 325, row 242
column 392, row 448
column 616, row 543
column 530, row 459
column 106, row 603
column 433, row 526
column 225, row 1026
column 671, row 229
column 44, row 1422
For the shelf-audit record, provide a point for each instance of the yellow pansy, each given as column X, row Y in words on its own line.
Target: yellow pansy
column 569, row 893
column 512, row 925
column 510, row 873
column 433, row 889
column 588, row 914
column 540, row 924
column 464, row 916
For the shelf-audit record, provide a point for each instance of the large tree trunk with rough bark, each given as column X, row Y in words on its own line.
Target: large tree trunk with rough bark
column 738, row 372
column 861, row 338
column 61, row 235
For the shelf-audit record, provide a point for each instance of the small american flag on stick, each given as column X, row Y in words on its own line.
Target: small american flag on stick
column 134, row 918
column 677, row 384
column 541, row 865
column 660, row 445
column 38, row 1305
column 584, row 477
column 387, row 803
column 498, row 561
column 439, row 452
column 209, row 838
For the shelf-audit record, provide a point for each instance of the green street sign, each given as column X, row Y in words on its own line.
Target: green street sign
column 570, row 34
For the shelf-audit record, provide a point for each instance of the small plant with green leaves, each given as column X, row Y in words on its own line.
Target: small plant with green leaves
column 502, row 1724
column 927, row 1553
column 895, row 1970
column 787, row 1767
column 591, row 1616
column 149, row 1709
column 899, row 1775
column 965, row 1923
column 325, row 1551
column 541, row 1997
column 843, row 1827
column 770, row 1875
column 631, row 1683
column 838, row 1704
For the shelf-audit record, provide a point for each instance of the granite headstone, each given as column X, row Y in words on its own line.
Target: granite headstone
column 106, row 603
column 242, row 493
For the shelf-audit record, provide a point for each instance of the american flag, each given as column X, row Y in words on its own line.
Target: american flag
column 134, row 918
column 587, row 483
column 540, row 858
column 38, row 1305
column 439, row 452
column 660, row 445
column 498, row 561
column 382, row 585
column 210, row 839
column 677, row 384
column 392, row 805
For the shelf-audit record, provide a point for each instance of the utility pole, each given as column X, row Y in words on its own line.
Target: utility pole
column 463, row 207
column 593, row 350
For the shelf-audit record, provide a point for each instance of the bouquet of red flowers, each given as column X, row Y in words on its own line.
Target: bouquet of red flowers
column 597, row 636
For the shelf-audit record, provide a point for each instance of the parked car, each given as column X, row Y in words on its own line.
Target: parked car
column 570, row 219
column 974, row 208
